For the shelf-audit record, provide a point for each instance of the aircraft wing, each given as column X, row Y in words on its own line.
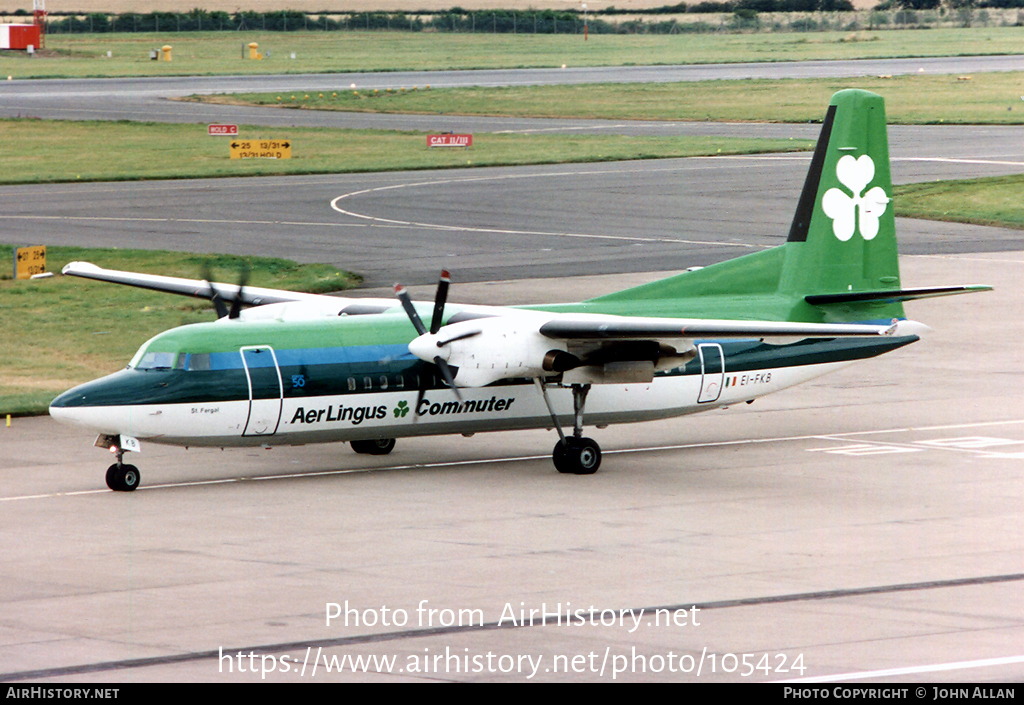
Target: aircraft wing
column 198, row 288
column 570, row 327
column 600, row 348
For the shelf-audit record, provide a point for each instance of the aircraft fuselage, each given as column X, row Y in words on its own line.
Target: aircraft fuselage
column 342, row 379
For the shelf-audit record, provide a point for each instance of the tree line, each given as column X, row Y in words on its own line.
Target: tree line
column 739, row 14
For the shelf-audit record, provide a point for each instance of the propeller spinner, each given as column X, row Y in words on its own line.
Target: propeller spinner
column 435, row 325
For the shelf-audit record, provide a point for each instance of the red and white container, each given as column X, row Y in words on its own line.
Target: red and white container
column 19, row 36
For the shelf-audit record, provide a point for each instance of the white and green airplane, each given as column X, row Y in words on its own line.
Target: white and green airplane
column 299, row 368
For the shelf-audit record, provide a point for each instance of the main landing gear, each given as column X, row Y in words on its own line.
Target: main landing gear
column 573, row 454
column 376, row 446
column 122, row 477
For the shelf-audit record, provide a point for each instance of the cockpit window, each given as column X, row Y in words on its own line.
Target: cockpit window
column 159, row 361
column 198, row 361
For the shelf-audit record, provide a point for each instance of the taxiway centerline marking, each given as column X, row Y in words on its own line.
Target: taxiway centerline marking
column 502, row 231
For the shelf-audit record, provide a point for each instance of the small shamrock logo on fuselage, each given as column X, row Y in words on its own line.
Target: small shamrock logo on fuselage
column 846, row 211
column 402, row 409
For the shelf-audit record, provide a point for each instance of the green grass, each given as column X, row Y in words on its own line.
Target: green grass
column 38, row 151
column 914, row 99
column 63, row 331
column 203, row 53
column 989, row 201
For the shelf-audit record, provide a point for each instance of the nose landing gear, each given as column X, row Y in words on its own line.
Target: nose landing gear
column 122, row 477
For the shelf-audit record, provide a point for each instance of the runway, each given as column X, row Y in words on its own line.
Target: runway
column 865, row 527
column 146, row 98
column 866, row 523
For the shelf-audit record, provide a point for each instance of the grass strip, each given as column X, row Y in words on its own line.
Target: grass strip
column 62, row 331
column 988, row 201
column 986, row 98
column 208, row 53
column 38, row 151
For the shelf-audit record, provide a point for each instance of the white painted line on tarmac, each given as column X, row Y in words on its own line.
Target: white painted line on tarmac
column 866, row 449
column 182, row 220
column 503, row 231
column 522, row 458
column 591, row 172
column 958, row 160
column 911, row 670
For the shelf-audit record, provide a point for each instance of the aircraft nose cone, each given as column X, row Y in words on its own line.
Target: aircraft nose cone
column 61, row 406
column 95, row 405
column 68, row 409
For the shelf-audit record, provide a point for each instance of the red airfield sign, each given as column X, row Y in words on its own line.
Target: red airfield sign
column 449, row 140
column 223, row 129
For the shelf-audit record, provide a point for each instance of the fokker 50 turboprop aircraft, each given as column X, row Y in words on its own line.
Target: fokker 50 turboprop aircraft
column 303, row 368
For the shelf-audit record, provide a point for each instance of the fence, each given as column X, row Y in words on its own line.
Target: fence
column 532, row 22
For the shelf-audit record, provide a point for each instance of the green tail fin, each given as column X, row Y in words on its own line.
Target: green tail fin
column 843, row 236
column 842, row 240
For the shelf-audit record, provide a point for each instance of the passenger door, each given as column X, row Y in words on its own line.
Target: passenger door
column 266, row 390
column 712, row 372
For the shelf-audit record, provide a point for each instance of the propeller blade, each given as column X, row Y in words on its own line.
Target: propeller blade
column 439, row 300
column 446, row 372
column 236, row 304
column 215, row 298
column 403, row 296
column 218, row 303
column 461, row 336
column 419, row 397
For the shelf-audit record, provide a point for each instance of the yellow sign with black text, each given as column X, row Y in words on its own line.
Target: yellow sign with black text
column 261, row 149
column 29, row 261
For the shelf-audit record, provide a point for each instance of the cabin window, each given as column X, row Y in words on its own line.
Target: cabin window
column 383, row 381
column 399, row 381
column 367, row 383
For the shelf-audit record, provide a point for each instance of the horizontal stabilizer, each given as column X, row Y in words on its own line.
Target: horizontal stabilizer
column 859, row 297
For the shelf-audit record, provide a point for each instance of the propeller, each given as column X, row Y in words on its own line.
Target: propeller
column 435, row 325
column 220, row 304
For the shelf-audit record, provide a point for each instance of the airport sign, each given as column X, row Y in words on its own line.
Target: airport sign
column 261, row 149
column 29, row 261
column 223, row 129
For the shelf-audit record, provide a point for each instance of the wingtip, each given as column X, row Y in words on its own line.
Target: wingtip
column 79, row 267
column 907, row 328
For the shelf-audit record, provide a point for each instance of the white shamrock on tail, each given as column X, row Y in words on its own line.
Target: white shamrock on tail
column 855, row 174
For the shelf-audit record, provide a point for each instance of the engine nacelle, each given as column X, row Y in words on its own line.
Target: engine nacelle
column 488, row 349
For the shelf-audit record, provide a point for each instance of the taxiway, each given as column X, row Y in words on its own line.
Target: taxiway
column 866, row 522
